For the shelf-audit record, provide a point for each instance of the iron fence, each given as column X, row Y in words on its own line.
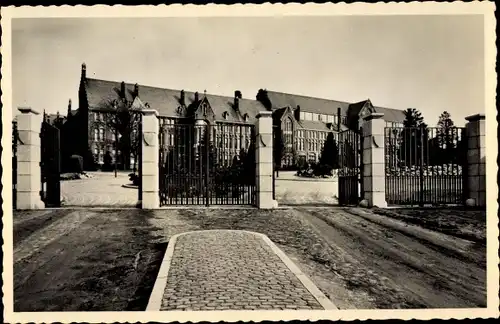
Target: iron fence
column 425, row 165
column 205, row 164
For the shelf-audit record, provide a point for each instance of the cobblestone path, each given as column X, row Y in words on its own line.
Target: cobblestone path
column 231, row 270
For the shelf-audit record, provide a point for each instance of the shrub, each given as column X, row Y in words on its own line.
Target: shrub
column 136, row 180
column 76, row 164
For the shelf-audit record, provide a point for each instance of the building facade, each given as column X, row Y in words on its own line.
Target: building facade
column 304, row 122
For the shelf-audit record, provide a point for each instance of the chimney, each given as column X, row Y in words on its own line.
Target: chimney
column 84, row 71
column 196, row 97
column 182, row 99
column 69, row 108
column 136, row 90
column 297, row 113
column 122, row 89
column 237, row 97
column 339, row 119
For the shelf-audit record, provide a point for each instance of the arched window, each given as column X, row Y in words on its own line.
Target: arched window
column 288, row 131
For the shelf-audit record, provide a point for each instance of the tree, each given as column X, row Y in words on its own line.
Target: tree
column 329, row 154
column 414, row 138
column 249, row 164
column 124, row 121
column 447, row 137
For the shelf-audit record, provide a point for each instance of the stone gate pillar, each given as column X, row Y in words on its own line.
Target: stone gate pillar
column 476, row 159
column 374, row 160
column 264, row 160
column 150, row 160
column 29, row 183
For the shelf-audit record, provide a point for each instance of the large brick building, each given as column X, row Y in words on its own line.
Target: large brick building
column 304, row 121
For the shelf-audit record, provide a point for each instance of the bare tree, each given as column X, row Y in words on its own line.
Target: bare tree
column 124, row 121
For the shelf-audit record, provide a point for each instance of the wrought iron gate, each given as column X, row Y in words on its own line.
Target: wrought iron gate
column 50, row 165
column 206, row 164
column 350, row 167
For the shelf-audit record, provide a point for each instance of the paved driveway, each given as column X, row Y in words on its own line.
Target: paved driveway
column 102, row 190
column 222, row 270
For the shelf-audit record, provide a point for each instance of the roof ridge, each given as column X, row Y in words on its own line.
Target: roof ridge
column 170, row 89
column 305, row 96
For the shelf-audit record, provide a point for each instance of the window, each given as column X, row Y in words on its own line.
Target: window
column 302, row 115
column 307, row 116
column 329, row 119
column 288, row 131
column 96, row 134
column 101, row 133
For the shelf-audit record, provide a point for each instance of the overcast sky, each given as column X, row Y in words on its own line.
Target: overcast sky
column 432, row 63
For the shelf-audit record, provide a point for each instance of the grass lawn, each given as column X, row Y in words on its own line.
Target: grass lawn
column 459, row 222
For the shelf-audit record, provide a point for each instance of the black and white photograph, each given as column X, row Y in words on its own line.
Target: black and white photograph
column 249, row 162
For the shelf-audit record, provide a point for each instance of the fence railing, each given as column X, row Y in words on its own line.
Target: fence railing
column 425, row 165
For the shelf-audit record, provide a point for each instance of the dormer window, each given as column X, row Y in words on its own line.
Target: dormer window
column 225, row 114
column 245, row 117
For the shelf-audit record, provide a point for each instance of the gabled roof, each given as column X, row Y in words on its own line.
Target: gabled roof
column 390, row 114
column 355, row 109
column 328, row 106
column 166, row 101
column 307, row 104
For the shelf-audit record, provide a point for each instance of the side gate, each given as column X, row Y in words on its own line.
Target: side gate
column 350, row 167
column 50, row 165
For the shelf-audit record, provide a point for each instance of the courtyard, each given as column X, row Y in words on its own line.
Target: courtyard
column 100, row 189
column 108, row 259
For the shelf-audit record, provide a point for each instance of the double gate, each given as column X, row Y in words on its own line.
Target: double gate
column 205, row 164
column 50, row 165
